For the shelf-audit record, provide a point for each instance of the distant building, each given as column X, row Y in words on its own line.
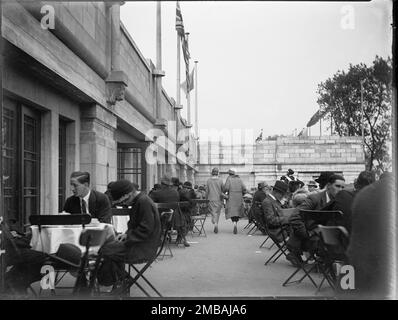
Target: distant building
column 268, row 160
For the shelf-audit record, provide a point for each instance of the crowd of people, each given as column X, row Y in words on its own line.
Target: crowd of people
column 142, row 238
column 364, row 208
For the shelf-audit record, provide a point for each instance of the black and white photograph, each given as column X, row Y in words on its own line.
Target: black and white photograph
column 183, row 150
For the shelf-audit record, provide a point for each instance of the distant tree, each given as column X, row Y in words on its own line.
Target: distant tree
column 339, row 98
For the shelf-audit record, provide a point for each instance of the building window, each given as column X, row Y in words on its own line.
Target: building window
column 21, row 162
column 131, row 164
column 61, row 165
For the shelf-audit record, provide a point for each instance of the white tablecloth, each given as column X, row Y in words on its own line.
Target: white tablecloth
column 50, row 237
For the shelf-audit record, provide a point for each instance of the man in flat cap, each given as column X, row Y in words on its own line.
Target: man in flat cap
column 86, row 200
column 142, row 238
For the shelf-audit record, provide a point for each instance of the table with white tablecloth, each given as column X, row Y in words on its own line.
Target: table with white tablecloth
column 49, row 238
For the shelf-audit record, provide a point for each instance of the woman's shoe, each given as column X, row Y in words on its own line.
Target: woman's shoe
column 215, row 229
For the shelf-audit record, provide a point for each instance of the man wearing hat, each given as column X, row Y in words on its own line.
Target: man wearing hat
column 288, row 177
column 166, row 194
column 142, row 238
column 85, row 200
column 323, row 178
column 312, row 186
column 215, row 196
column 235, row 188
column 255, row 212
column 303, row 236
column 272, row 207
column 187, row 194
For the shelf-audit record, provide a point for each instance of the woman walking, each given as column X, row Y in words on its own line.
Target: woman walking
column 235, row 189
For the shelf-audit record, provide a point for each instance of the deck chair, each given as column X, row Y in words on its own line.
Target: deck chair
column 312, row 218
column 199, row 219
column 334, row 242
column 57, row 220
column 129, row 281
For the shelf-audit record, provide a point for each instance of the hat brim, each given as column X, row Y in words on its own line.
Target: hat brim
column 55, row 257
column 280, row 190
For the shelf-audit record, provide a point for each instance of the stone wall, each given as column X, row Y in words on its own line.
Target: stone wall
column 269, row 160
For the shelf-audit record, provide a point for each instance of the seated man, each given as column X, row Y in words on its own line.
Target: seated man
column 140, row 242
column 271, row 210
column 303, row 237
column 167, row 194
column 25, row 264
column 344, row 199
column 187, row 194
column 85, row 200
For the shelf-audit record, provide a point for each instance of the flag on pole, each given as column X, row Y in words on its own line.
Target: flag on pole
column 184, row 85
column 184, row 42
column 179, row 22
column 317, row 116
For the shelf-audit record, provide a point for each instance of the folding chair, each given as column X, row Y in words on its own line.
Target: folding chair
column 198, row 220
column 281, row 245
column 87, row 274
column 334, row 242
column 119, row 212
column 166, row 221
column 128, row 282
column 312, row 218
column 164, row 206
column 58, row 220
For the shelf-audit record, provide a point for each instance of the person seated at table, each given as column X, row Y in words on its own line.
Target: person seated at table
column 140, row 242
column 167, row 194
column 86, row 200
column 303, row 237
column 272, row 207
column 23, row 263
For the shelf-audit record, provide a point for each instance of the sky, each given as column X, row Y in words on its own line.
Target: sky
column 259, row 63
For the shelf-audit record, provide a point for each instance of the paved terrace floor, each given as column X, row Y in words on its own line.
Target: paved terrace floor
column 221, row 265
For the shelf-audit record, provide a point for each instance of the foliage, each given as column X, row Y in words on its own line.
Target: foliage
column 340, row 98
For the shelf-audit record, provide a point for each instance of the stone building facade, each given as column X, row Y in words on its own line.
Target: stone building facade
column 81, row 96
column 269, row 160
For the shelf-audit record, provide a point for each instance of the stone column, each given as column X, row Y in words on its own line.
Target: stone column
column 49, row 163
column 98, row 147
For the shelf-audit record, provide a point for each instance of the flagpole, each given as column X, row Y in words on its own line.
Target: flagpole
column 158, row 55
column 178, row 96
column 196, row 100
column 188, row 94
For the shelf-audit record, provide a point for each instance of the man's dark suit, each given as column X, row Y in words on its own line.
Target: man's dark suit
column 343, row 202
column 167, row 195
column 98, row 204
column 141, row 244
column 302, row 238
column 271, row 214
